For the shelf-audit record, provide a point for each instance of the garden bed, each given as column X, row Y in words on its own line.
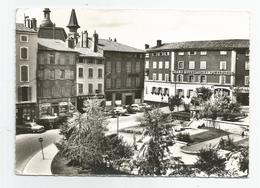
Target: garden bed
column 61, row 167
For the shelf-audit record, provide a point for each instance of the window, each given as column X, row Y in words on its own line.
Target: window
column 190, row 93
column 80, row 88
column 166, row 91
column 181, row 65
column 90, row 72
column 52, row 59
column 62, row 74
column 192, row 52
column 180, row 92
column 147, row 55
column 203, row 79
column 192, row 65
column 118, row 83
column 108, row 83
column 128, row 67
column 247, row 65
column 203, row 53
column 191, row 78
column 80, row 74
column 180, row 53
column 160, row 76
column 128, row 82
column 24, row 93
column 223, row 65
column 24, row 73
column 100, row 86
column 247, row 53
column 154, row 64
column 147, row 64
column 24, row 53
column 160, row 64
column 179, row 78
column 118, row 67
column 100, row 73
column 154, row 76
column 223, row 52
column 166, row 77
column 203, row 65
column 222, row 79
column 80, row 59
column 137, row 82
column 52, row 74
column 166, row 65
column 246, row 80
column 23, row 38
column 90, row 88
column 137, row 67
column 108, row 67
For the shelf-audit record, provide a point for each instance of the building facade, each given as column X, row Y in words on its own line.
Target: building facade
column 26, row 58
column 124, row 73
column 180, row 68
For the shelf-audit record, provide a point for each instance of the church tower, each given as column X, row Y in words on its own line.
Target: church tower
column 73, row 27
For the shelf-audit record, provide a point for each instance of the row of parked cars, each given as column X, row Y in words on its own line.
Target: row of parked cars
column 129, row 109
column 40, row 125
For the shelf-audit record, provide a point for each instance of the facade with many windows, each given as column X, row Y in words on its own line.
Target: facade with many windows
column 180, row 68
column 26, row 57
column 124, row 73
column 90, row 76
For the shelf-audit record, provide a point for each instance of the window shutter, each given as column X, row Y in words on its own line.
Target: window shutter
column 29, row 93
column 19, row 94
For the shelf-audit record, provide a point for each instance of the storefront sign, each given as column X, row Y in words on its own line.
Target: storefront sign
column 85, row 97
column 202, row 72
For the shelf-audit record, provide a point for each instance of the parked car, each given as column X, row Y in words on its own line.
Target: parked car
column 49, row 122
column 119, row 110
column 29, row 127
column 145, row 106
column 136, row 108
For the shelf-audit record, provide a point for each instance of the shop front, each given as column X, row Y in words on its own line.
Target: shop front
column 26, row 112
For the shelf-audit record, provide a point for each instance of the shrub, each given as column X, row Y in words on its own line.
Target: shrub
column 184, row 137
column 227, row 144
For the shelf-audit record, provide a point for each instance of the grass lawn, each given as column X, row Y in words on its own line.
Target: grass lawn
column 60, row 166
column 210, row 134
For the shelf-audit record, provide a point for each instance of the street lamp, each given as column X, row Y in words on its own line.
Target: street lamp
column 117, row 123
column 41, row 140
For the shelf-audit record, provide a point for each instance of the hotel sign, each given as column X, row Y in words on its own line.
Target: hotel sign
column 203, row 72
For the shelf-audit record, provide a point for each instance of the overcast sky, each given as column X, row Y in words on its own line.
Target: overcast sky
column 137, row 27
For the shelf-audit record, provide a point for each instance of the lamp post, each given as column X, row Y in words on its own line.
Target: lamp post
column 117, row 123
column 41, row 140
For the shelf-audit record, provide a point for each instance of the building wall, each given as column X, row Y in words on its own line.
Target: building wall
column 241, row 72
column 30, row 62
column 123, row 93
column 95, row 64
column 57, row 88
column 213, row 72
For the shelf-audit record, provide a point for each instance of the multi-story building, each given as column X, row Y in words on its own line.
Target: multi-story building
column 26, row 58
column 124, row 72
column 56, row 81
column 179, row 68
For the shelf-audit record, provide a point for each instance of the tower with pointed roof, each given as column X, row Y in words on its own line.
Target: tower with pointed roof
column 73, row 27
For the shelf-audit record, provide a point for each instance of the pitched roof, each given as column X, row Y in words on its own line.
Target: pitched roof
column 87, row 52
column 21, row 27
column 47, row 32
column 108, row 45
column 207, row 44
column 73, row 20
column 54, row 44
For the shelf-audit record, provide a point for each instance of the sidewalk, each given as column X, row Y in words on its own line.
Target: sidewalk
column 38, row 166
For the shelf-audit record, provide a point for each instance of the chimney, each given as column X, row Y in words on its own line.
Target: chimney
column 146, row 46
column 46, row 22
column 28, row 23
column 70, row 42
column 95, row 41
column 84, row 39
column 34, row 24
column 159, row 43
column 114, row 39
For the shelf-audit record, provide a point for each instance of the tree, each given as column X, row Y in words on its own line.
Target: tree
column 84, row 143
column 174, row 101
column 210, row 162
column 202, row 94
column 152, row 158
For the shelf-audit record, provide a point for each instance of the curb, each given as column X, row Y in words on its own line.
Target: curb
column 38, row 166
